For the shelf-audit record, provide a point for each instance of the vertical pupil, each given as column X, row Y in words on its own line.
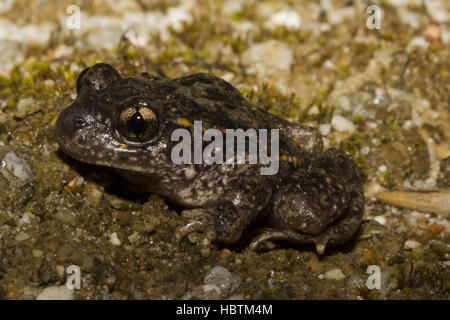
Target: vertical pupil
column 137, row 123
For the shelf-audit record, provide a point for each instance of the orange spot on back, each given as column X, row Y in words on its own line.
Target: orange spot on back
column 185, row 122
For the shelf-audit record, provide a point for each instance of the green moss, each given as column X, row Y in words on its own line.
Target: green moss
column 360, row 160
column 303, row 114
column 268, row 292
column 5, row 291
column 289, row 253
column 384, row 179
column 130, row 54
column 27, row 81
column 358, row 119
column 415, row 255
column 187, row 55
column 420, row 146
column 30, row 206
column 51, row 115
column 368, row 294
column 40, row 69
column 352, row 145
column 439, row 250
column 390, row 261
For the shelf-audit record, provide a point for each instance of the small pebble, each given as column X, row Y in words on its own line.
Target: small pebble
column 3, row 117
column 116, row 203
column 380, row 219
column 433, row 33
column 324, row 129
column 342, row 124
column 66, row 216
column 60, row 271
column 412, row 244
column 268, row 58
column 286, row 18
column 74, row 185
column 211, row 287
column 37, row 253
column 94, row 195
column 22, row 236
column 436, row 228
column 334, row 274
column 16, row 171
column 417, row 43
column 222, row 278
column 223, row 256
column 133, row 237
column 114, row 240
column 25, row 107
column 26, row 219
column 55, row 293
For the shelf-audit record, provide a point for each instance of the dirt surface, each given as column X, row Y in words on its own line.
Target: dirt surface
column 383, row 95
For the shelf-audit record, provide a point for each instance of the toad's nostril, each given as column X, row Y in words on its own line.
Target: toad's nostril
column 79, row 122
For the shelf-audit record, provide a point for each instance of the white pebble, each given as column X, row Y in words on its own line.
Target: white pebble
column 412, row 244
column 268, row 58
column 438, row 10
column 335, row 274
column 324, row 129
column 417, row 43
column 16, row 170
column 222, row 278
column 26, row 219
column 342, row 124
column 286, row 18
column 55, row 293
column 329, row 65
column 380, row 220
column 22, row 236
column 133, row 237
column 114, row 239
column 372, row 124
column 365, row 150
column 211, row 287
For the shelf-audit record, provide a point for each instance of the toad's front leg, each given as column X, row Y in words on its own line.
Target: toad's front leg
column 228, row 218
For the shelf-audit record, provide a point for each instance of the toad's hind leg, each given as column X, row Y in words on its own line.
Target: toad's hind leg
column 321, row 205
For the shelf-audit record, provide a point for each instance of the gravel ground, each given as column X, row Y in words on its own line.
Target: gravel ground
column 383, row 95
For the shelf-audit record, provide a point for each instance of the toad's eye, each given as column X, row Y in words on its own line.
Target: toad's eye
column 138, row 123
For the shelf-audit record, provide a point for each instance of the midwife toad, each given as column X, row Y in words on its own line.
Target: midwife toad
column 126, row 123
